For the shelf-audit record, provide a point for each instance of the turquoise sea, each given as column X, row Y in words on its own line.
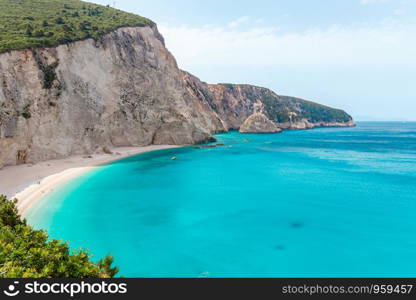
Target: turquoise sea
column 329, row 202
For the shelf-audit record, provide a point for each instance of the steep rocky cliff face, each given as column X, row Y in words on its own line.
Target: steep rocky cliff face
column 234, row 103
column 125, row 89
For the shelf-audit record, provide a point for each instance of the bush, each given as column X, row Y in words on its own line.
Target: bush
column 26, row 115
column 229, row 86
column 29, row 30
column 66, row 28
column 39, row 33
column 59, row 20
column 49, row 74
column 26, row 112
column 25, row 252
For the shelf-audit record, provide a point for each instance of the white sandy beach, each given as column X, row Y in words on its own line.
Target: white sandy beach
column 30, row 182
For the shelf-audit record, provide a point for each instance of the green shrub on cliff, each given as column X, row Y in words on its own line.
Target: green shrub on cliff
column 279, row 108
column 44, row 23
column 275, row 110
column 25, row 252
column 315, row 112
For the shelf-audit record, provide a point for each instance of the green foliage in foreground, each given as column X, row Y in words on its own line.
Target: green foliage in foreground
column 25, row 252
column 45, row 23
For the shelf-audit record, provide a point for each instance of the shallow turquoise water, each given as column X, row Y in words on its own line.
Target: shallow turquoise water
column 318, row 203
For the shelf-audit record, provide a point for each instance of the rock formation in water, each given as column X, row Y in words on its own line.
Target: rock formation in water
column 259, row 123
column 125, row 89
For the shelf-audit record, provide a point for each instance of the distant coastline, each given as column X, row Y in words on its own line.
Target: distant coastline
column 28, row 183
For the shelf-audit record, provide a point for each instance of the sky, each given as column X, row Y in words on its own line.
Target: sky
column 358, row 55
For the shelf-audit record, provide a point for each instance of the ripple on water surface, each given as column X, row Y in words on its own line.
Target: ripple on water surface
column 323, row 202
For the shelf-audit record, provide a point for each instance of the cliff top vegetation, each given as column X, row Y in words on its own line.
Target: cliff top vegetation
column 46, row 23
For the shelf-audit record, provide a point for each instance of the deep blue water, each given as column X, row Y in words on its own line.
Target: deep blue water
column 330, row 202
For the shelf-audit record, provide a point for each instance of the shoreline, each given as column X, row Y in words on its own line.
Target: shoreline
column 28, row 183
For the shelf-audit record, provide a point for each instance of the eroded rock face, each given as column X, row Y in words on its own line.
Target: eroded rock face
column 123, row 90
column 126, row 90
column 259, row 123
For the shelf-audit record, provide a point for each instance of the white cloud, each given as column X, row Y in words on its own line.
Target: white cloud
column 387, row 44
column 238, row 22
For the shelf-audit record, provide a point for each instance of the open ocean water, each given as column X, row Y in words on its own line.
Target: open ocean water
column 329, row 202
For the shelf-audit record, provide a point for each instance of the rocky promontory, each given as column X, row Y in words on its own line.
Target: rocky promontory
column 124, row 88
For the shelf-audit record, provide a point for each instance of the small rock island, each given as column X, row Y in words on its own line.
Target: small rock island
column 259, row 123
